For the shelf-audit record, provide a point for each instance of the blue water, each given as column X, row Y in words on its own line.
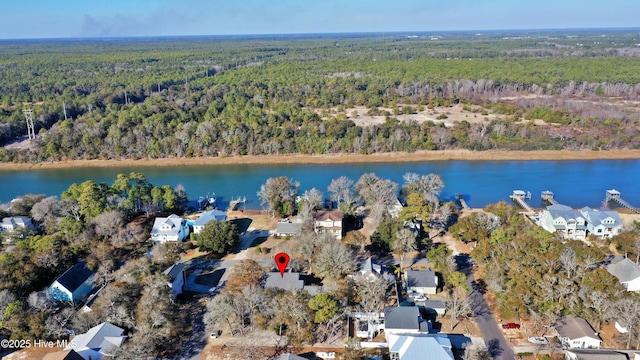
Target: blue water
column 575, row 183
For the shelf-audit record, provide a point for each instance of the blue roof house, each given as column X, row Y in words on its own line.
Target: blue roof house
column 72, row 286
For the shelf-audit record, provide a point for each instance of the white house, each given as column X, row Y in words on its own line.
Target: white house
column 419, row 346
column 602, row 223
column 72, row 286
column 177, row 279
column 329, row 221
column 98, row 341
column 627, row 272
column 172, row 228
column 15, row 222
column 575, row 332
column 207, row 216
column 577, row 224
column 422, row 281
column 565, row 220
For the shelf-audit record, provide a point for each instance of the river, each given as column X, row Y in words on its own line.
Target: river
column 576, row 183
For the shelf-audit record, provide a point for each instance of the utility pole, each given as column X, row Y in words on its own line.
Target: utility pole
column 28, row 113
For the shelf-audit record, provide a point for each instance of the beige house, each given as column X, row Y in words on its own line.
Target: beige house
column 329, row 221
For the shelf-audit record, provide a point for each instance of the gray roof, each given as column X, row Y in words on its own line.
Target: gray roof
column 174, row 222
column 434, row 304
column 625, row 270
column 572, row 327
column 174, row 270
column 584, row 354
column 291, row 228
column 421, row 278
column 16, row 221
column 101, row 338
column 371, row 267
column 559, row 207
column 75, row 276
column 209, row 216
column 288, row 281
column 597, row 217
column 402, row 317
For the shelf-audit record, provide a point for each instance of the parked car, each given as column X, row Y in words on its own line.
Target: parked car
column 216, row 333
column 419, row 297
column 538, row 340
column 511, row 326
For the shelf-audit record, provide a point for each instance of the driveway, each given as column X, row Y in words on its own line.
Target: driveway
column 491, row 332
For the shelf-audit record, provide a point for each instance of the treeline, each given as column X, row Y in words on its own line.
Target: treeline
column 200, row 97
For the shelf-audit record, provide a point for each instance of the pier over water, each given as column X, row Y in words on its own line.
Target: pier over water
column 614, row 195
column 519, row 197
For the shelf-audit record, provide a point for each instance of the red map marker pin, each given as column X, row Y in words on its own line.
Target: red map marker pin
column 282, row 260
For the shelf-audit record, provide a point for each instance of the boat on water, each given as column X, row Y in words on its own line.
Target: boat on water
column 205, row 201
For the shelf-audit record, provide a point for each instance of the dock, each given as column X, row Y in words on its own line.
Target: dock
column 463, row 203
column 519, row 198
column 548, row 197
column 614, row 195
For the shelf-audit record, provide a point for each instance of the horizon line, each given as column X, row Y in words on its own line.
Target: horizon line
column 108, row 37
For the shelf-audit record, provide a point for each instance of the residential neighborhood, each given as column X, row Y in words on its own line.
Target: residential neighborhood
column 384, row 292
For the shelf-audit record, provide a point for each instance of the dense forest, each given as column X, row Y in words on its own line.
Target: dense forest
column 225, row 96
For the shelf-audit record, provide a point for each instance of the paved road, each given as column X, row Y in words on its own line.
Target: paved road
column 491, row 332
column 198, row 338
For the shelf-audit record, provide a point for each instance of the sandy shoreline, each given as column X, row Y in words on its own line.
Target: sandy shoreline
column 340, row 158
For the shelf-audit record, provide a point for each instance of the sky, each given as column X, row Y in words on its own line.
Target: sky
column 118, row 18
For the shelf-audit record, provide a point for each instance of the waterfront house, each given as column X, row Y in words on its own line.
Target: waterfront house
column 15, row 222
column 329, row 221
column 172, row 228
column 98, row 341
column 72, row 286
column 207, row 216
column 177, row 278
column 564, row 220
column 627, row 273
column 602, row 223
column 577, row 224
column 575, row 332
column 422, row 281
column 419, row 346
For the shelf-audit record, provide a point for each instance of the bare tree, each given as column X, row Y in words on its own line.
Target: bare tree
column 373, row 293
column 46, row 212
column 341, row 190
column 334, row 261
column 476, row 351
column 279, row 194
column 430, row 185
column 458, row 308
column 627, row 312
column 405, row 241
column 312, row 200
column 108, row 223
column 38, row 301
column 569, row 261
